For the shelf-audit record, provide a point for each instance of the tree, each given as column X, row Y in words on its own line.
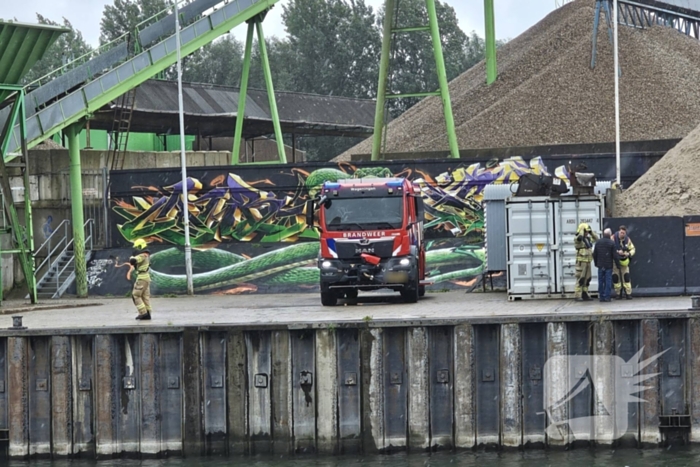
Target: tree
column 67, row 47
column 334, row 46
column 220, row 63
column 124, row 15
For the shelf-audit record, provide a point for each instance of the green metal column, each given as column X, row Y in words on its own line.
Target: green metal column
column 271, row 93
column 28, row 223
column 383, row 77
column 76, row 194
column 491, row 65
column 242, row 96
column 442, row 79
column 22, row 236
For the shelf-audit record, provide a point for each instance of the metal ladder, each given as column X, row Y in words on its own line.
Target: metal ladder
column 58, row 266
column 120, row 129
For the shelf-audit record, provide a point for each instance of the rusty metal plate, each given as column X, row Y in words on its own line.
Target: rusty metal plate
column 350, row 379
column 173, row 382
column 42, row 384
column 260, row 381
column 306, row 378
column 129, row 382
column 217, row 381
column 85, row 384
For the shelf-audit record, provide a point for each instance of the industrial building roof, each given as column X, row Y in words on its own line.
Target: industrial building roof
column 211, row 110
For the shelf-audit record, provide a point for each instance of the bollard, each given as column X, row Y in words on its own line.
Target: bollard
column 17, row 323
column 695, row 303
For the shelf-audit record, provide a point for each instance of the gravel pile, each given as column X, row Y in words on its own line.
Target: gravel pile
column 670, row 187
column 546, row 92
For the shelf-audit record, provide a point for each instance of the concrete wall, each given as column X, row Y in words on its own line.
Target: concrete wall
column 347, row 390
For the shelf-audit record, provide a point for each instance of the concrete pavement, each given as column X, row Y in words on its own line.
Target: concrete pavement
column 305, row 310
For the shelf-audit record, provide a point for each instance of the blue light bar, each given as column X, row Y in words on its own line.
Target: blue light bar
column 331, row 185
column 395, row 184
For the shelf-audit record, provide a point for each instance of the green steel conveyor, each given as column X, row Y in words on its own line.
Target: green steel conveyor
column 97, row 91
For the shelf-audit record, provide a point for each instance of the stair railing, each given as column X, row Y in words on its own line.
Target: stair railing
column 51, row 245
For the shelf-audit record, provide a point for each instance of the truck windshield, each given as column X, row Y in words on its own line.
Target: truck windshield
column 364, row 213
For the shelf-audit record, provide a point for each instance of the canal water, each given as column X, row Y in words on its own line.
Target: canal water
column 672, row 457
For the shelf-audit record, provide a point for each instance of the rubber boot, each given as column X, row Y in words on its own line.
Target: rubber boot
column 586, row 297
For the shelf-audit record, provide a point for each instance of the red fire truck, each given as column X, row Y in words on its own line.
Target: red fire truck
column 371, row 238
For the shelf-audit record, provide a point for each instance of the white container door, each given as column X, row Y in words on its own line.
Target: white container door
column 568, row 214
column 530, row 238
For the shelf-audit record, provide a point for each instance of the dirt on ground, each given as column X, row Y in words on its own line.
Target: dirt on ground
column 547, row 93
column 670, row 187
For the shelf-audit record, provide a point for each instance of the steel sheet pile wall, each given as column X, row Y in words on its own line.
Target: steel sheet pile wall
column 344, row 391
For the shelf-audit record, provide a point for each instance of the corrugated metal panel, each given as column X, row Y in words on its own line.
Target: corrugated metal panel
column 530, row 235
column 496, row 239
column 21, row 46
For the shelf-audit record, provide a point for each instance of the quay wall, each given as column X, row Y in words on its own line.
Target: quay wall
column 341, row 389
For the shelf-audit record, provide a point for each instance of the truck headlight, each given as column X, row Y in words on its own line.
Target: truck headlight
column 404, row 262
column 326, row 264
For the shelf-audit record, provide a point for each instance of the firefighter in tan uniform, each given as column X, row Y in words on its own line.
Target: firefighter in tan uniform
column 621, row 276
column 583, row 242
column 141, row 294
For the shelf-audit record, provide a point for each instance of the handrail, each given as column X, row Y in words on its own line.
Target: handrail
column 88, row 238
column 103, row 46
column 58, row 244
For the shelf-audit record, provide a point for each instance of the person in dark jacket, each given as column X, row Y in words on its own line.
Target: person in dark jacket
column 605, row 257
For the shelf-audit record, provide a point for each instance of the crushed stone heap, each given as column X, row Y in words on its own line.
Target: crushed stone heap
column 670, row 187
column 546, row 92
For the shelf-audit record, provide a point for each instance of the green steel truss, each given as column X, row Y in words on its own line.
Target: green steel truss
column 23, row 237
column 389, row 31
column 141, row 68
column 256, row 23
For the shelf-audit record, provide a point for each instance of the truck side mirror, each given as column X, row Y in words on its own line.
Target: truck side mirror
column 420, row 209
column 310, row 213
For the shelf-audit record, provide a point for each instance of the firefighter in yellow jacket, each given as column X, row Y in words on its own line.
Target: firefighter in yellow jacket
column 621, row 277
column 583, row 242
column 141, row 294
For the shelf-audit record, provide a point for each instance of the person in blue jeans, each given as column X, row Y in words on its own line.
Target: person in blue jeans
column 605, row 257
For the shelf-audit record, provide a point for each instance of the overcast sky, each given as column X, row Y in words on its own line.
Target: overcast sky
column 512, row 16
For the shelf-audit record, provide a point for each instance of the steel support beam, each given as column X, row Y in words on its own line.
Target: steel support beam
column 270, row 92
column 442, row 79
column 490, row 19
column 387, row 37
column 22, row 236
column 389, row 6
column 243, row 93
column 76, row 194
column 242, row 96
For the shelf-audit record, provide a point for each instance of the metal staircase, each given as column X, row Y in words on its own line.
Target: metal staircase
column 58, row 266
column 121, row 126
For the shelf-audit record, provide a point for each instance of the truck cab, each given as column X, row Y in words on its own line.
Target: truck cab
column 372, row 237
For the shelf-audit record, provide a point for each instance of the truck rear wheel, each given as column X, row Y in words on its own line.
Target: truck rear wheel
column 421, row 291
column 351, row 294
column 329, row 298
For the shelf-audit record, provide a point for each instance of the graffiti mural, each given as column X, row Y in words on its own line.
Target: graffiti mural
column 248, row 228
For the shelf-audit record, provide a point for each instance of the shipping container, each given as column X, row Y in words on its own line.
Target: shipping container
column 540, row 236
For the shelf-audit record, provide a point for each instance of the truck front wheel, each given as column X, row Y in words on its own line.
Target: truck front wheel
column 329, row 298
column 411, row 292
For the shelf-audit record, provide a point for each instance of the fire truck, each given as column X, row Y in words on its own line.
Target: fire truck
column 372, row 237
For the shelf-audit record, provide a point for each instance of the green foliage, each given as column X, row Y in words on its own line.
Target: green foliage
column 68, row 47
column 124, row 15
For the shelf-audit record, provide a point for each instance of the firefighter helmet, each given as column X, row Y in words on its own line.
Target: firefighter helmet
column 140, row 244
